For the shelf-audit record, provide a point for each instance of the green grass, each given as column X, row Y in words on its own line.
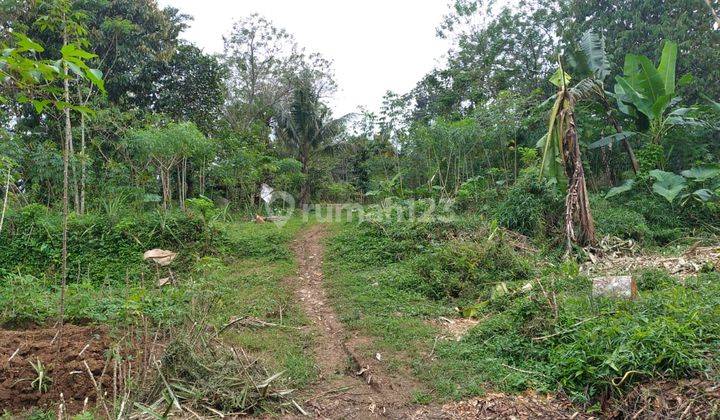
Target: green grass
column 243, row 277
column 670, row 331
column 249, row 283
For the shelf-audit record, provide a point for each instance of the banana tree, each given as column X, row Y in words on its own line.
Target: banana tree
column 648, row 93
column 562, row 162
column 592, row 58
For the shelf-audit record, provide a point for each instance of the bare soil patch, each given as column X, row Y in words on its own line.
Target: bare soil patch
column 63, row 366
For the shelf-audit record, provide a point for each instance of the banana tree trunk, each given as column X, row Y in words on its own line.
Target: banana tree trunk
column 577, row 204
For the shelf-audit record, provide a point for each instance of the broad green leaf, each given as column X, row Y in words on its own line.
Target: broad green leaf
column 75, row 68
column 649, row 80
column 551, row 165
column 626, row 186
column 40, row 104
column 704, row 195
column 701, row 174
column 659, row 107
column 613, row 138
column 667, row 66
column 95, row 76
column 557, row 78
column 684, row 121
column 27, row 44
column 630, row 70
column 73, row 51
column 681, row 112
column 622, row 99
column 593, row 45
column 668, row 184
column 83, row 109
column 638, row 99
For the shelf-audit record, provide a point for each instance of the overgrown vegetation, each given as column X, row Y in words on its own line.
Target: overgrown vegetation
column 539, row 328
column 554, row 134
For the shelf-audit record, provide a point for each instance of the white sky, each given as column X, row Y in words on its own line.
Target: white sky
column 376, row 45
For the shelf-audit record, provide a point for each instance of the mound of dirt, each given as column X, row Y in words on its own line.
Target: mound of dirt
column 62, row 364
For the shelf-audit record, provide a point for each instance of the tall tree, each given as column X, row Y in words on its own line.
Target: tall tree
column 260, row 59
column 305, row 125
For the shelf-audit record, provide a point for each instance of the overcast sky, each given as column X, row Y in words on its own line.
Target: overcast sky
column 376, row 45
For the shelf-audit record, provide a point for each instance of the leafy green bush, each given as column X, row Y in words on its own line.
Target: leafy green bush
column 598, row 346
column 530, row 207
column 28, row 300
column 671, row 332
column 618, row 221
column 23, row 300
column 466, row 269
column 100, row 248
column 655, row 279
column 475, row 195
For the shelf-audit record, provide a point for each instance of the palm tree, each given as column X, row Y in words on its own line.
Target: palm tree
column 305, row 125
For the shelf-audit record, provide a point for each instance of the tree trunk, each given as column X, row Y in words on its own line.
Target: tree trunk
column 83, row 165
column 577, row 205
column 179, row 183
column 202, row 177
column 304, row 188
column 165, row 181
column 66, row 168
column 184, row 184
column 73, row 170
column 5, row 200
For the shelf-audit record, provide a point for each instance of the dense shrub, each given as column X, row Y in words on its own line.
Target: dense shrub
column 475, row 195
column 618, row 221
column 466, row 269
column 530, row 207
column 655, row 279
column 101, row 248
column 670, row 331
column 27, row 300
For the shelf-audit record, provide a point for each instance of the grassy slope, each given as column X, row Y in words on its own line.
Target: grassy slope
column 366, row 300
column 249, row 283
column 670, row 331
column 244, row 278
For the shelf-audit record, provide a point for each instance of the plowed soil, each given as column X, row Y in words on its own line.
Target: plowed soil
column 63, row 365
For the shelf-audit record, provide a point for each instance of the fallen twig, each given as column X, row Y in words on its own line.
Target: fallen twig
column 251, row 322
column 300, row 409
column 569, row 330
column 529, row 372
column 97, row 389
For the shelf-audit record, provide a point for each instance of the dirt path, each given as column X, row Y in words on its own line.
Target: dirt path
column 349, row 386
column 352, row 385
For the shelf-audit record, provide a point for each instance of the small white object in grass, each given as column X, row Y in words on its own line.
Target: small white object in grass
column 614, row 286
column 266, row 193
column 159, row 256
column 378, row 356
